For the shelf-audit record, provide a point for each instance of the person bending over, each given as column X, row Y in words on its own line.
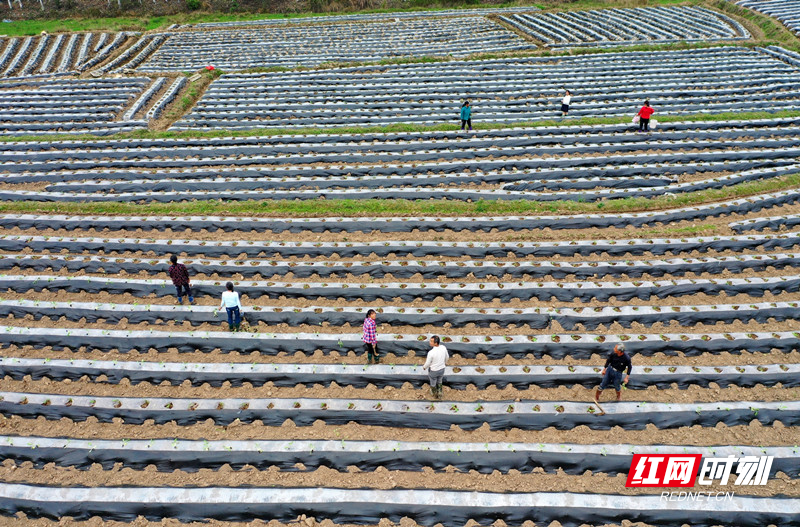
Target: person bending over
column 617, row 362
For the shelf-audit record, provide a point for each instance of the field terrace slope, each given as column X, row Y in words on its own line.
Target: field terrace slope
column 58, row 54
column 617, row 27
column 68, row 105
column 121, row 402
column 365, row 17
column 787, row 11
column 310, row 45
column 501, row 90
column 563, row 163
column 93, row 332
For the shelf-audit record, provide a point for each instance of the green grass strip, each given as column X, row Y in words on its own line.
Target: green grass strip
column 147, row 23
column 392, row 207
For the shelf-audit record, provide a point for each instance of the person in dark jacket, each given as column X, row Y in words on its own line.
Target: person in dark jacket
column 180, row 279
column 466, row 115
column 616, row 364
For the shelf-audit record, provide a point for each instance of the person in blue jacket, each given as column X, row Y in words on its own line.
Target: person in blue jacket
column 466, row 115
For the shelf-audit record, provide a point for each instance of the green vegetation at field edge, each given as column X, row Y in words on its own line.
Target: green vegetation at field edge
column 34, row 27
column 389, row 207
column 774, row 32
column 772, row 29
column 584, row 5
column 148, row 23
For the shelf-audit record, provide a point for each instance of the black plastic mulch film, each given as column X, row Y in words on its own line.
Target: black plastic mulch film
column 686, row 416
column 544, row 346
column 371, row 512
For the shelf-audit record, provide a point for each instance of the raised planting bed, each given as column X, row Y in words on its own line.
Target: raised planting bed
column 382, row 375
column 450, row 508
column 191, row 456
column 232, row 249
column 455, row 317
column 499, row 415
column 579, row 346
column 618, row 27
column 409, row 292
column 774, row 223
column 476, row 269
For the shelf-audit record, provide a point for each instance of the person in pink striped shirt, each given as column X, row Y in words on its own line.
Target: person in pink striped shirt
column 370, row 337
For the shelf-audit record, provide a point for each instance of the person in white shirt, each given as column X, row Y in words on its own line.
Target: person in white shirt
column 435, row 364
column 565, row 103
column 232, row 304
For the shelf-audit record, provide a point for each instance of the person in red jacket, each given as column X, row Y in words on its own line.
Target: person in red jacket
column 644, row 116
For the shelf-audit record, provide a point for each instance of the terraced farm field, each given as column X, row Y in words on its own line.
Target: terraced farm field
column 57, row 54
column 531, row 250
column 787, row 11
column 540, row 164
column 715, row 80
column 105, row 373
column 309, row 45
column 614, row 27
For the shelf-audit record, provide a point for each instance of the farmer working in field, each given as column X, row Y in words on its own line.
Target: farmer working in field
column 370, row 337
column 435, row 364
column 180, row 279
column 233, row 306
column 617, row 362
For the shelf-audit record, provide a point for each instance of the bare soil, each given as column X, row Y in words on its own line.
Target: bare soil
column 752, row 434
column 350, row 357
column 693, row 394
column 380, row 479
